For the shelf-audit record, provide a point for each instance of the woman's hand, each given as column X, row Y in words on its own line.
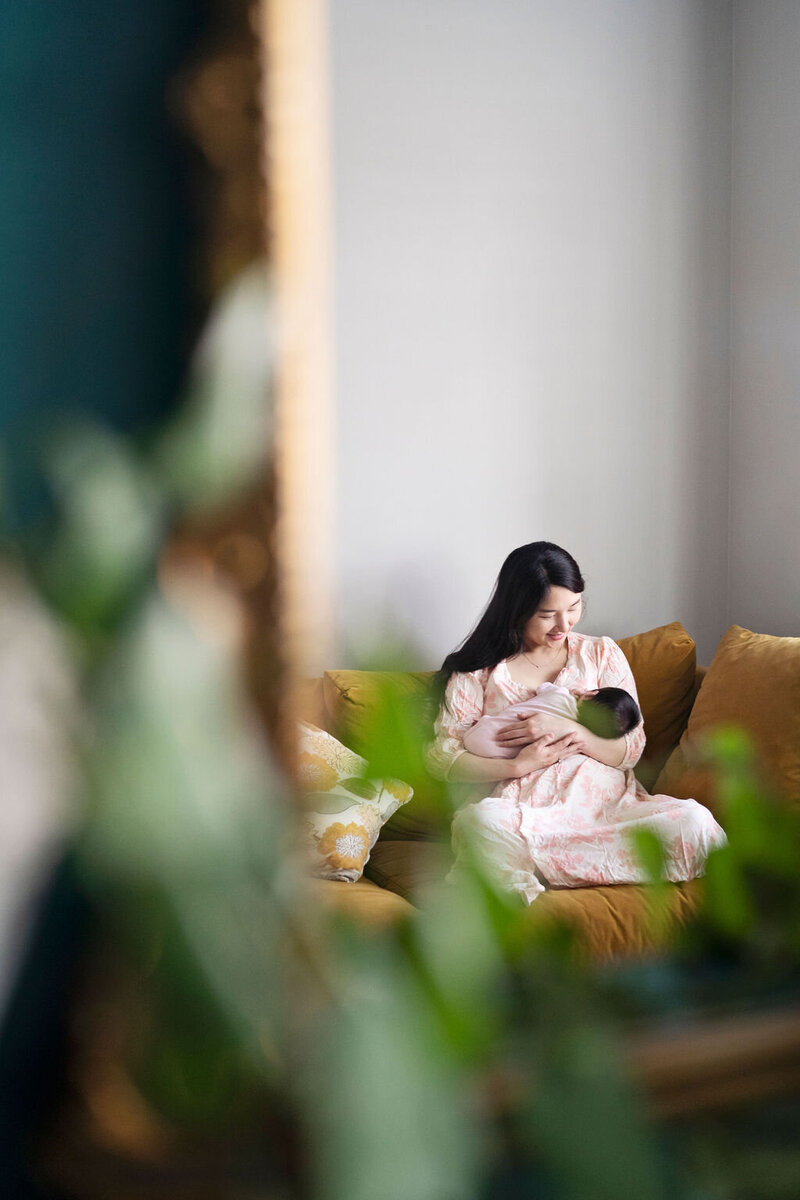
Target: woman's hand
column 544, row 752
column 525, row 730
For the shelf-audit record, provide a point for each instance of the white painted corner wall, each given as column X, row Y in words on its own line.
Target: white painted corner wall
column 532, row 299
column 764, row 586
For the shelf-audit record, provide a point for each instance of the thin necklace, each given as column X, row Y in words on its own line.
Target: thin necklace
column 537, row 665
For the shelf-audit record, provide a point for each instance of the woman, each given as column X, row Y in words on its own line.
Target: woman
column 564, row 809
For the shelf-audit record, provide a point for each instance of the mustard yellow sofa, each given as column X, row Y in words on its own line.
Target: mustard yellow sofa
column 752, row 684
column 412, row 852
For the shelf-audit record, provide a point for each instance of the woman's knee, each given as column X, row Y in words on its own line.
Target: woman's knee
column 703, row 829
column 693, row 834
column 481, row 825
column 479, row 817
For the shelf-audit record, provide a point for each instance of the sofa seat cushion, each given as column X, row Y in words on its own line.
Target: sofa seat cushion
column 616, row 922
column 608, row 922
column 365, row 902
column 753, row 682
column 409, row 867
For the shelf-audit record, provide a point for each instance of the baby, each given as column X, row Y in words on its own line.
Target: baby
column 609, row 712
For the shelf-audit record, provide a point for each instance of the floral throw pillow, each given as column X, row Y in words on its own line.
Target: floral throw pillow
column 344, row 811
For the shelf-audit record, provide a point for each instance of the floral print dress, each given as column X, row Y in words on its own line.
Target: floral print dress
column 569, row 824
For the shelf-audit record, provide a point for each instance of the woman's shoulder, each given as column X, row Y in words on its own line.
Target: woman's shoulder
column 586, row 641
column 587, row 645
column 470, row 678
column 467, row 687
column 465, row 691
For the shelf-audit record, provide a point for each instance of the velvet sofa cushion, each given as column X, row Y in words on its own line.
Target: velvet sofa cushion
column 309, row 701
column 618, row 922
column 387, row 716
column 407, row 867
column 344, row 811
column 364, row 902
column 663, row 662
column 351, row 698
column 753, row 682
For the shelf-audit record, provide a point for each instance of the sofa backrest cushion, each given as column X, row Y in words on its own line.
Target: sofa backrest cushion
column 753, row 682
column 351, row 697
column 387, row 716
column 663, row 662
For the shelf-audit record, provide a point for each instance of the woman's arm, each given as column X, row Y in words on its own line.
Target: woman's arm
column 473, row 768
column 610, row 751
column 461, row 708
column 615, row 671
column 522, row 730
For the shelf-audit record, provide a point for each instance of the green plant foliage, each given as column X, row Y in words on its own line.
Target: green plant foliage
column 584, row 1117
column 429, row 1060
column 110, row 523
column 396, row 730
column 383, row 1093
column 752, row 886
column 597, row 719
column 217, row 444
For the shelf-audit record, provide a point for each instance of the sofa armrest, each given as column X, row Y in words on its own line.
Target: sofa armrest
column 309, row 700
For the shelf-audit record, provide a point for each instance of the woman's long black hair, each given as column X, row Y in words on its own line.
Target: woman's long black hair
column 525, row 578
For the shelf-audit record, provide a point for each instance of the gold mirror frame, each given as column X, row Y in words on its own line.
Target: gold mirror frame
column 297, row 157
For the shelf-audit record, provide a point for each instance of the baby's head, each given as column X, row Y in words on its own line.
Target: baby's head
column 609, row 712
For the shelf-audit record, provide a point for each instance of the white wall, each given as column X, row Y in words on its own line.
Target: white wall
column 765, row 411
column 532, row 281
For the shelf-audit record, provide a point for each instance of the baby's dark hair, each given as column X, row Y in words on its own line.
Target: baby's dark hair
column 610, row 712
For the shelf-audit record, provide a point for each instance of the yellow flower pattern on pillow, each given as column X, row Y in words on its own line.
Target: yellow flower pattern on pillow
column 315, row 774
column 321, row 745
column 345, row 846
column 345, row 811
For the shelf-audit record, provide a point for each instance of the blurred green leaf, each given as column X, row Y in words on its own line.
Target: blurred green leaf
column 728, row 904
column 395, row 731
column 388, row 1113
column 585, row 1120
column 650, row 853
column 461, row 959
column 109, row 529
column 220, row 441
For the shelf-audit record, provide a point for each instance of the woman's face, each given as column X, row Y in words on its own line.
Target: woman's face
column 553, row 619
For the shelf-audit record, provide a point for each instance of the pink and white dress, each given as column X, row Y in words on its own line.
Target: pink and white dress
column 569, row 824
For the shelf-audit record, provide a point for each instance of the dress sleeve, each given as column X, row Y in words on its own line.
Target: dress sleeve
column 461, row 708
column 614, row 671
